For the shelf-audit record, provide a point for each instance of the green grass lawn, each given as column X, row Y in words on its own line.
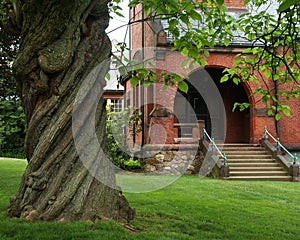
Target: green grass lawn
column 191, row 208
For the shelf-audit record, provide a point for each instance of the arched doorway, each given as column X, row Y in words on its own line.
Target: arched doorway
column 237, row 123
column 187, row 114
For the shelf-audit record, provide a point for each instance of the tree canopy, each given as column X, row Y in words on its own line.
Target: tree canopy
column 12, row 118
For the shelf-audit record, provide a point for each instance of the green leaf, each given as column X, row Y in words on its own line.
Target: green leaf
column 183, row 86
column 195, row 15
column 251, row 36
column 185, row 19
column 185, row 51
column 107, row 76
column 236, row 80
column 286, row 112
column 134, row 81
column 202, row 62
column 268, row 73
column 235, row 105
column 224, row 78
column 189, row 7
column 147, row 83
column 191, row 66
column 277, row 116
column 270, row 112
column 226, row 42
column 133, row 3
column 184, row 63
column 176, row 77
column 173, row 23
column 247, row 50
column 265, row 99
column 194, row 53
column 206, row 53
column 152, row 78
column 119, row 14
column 143, row 71
column 241, row 106
column 286, row 4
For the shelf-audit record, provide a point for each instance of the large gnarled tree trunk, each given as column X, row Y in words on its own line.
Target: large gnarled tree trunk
column 61, row 42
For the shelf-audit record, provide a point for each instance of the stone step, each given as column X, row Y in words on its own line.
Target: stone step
column 233, row 149
column 254, row 164
column 236, row 145
column 259, row 168
column 185, row 140
column 239, row 152
column 262, row 156
column 260, row 178
column 258, row 173
column 251, row 160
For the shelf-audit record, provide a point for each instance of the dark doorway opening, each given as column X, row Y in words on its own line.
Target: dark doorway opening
column 237, row 122
column 197, row 111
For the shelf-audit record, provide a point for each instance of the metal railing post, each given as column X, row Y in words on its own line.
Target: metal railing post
column 265, row 133
column 278, row 145
column 214, row 147
column 295, row 159
column 225, row 160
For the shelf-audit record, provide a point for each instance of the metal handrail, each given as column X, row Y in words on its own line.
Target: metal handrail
column 214, row 146
column 279, row 145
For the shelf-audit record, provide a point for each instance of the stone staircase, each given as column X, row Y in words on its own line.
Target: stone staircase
column 251, row 162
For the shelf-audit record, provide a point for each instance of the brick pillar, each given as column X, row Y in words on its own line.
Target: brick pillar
column 294, row 172
column 224, row 172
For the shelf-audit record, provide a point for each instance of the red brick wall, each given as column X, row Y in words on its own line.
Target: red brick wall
column 235, row 3
column 136, row 30
column 289, row 127
column 113, row 96
column 223, row 58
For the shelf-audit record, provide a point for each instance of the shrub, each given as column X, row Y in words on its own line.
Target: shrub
column 12, row 129
column 117, row 124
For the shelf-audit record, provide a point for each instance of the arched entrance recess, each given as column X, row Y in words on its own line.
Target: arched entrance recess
column 237, row 122
column 186, row 114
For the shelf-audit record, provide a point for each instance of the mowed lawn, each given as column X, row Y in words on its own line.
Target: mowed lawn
column 190, row 208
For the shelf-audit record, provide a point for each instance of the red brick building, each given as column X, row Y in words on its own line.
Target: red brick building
column 169, row 114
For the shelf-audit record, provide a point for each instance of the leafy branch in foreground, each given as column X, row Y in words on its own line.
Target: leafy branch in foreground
column 272, row 32
column 274, row 55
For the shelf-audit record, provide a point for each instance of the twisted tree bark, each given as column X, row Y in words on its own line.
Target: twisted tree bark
column 60, row 43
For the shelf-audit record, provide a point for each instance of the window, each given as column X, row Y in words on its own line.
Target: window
column 117, row 105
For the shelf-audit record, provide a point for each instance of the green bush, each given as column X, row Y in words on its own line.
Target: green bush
column 116, row 124
column 12, row 129
column 132, row 164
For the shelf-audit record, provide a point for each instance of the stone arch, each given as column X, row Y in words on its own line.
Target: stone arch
column 237, row 125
